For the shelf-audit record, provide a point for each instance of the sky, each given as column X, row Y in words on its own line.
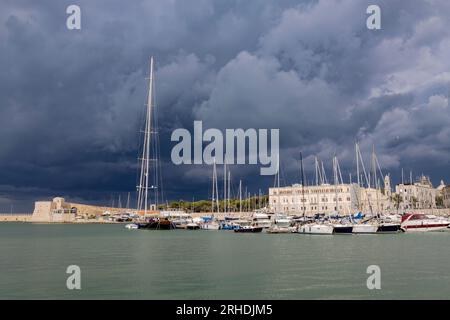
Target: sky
column 72, row 101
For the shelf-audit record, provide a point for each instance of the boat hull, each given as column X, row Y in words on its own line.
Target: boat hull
column 249, row 230
column 210, row 227
column 342, row 229
column 425, row 228
column 278, row 230
column 319, row 229
column 157, row 225
column 389, row 228
column 365, row 229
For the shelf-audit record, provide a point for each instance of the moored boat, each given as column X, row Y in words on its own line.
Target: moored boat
column 157, row 224
column 416, row 222
column 277, row 229
column 249, row 229
column 389, row 227
column 342, row 228
column 192, row 226
column 316, row 228
column 210, row 226
column 365, row 228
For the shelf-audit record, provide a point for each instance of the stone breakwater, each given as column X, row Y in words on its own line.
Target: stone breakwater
column 15, row 217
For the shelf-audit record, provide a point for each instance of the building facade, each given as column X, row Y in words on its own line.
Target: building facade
column 326, row 198
column 446, row 196
column 418, row 195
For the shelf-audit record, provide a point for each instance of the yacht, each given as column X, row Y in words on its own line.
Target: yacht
column 261, row 220
column 416, row 222
column 282, row 224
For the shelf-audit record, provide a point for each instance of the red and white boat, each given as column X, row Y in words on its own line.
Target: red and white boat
column 417, row 222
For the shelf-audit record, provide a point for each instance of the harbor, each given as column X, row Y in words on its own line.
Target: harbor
column 217, row 265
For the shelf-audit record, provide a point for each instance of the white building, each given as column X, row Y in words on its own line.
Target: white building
column 310, row 200
column 418, row 195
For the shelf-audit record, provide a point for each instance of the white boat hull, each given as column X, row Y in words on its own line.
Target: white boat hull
column 210, row 226
column 422, row 223
column 365, row 228
column 424, row 228
column 321, row 229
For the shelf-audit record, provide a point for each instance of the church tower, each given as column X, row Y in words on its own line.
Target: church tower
column 387, row 186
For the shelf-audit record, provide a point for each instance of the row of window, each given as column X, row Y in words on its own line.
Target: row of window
column 314, row 200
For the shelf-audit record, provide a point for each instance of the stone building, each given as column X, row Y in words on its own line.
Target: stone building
column 56, row 210
column 418, row 195
column 446, row 196
column 310, row 200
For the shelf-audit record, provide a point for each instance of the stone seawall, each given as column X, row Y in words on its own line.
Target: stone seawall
column 18, row 217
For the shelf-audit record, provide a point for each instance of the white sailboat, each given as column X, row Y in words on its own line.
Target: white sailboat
column 150, row 178
column 211, row 224
column 368, row 227
column 314, row 228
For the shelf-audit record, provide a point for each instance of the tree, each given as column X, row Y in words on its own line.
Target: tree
column 439, row 201
column 397, row 199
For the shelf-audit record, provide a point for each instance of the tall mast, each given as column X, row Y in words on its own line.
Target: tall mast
column 215, row 189
column 229, row 191
column 240, row 196
column 278, row 183
column 357, row 164
column 145, row 160
column 225, row 185
column 303, row 184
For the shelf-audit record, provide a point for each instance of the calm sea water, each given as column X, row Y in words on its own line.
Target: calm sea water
column 138, row 264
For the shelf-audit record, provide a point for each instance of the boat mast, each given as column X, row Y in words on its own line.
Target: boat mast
column 224, row 184
column 229, row 192
column 145, row 160
column 215, row 189
column 357, row 164
column 240, row 196
column 335, row 173
column 303, row 184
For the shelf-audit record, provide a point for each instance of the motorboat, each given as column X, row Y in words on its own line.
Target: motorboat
column 416, row 222
column 132, row 226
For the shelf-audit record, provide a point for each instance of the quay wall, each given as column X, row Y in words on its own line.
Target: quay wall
column 15, row 217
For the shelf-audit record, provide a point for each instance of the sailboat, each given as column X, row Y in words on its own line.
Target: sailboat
column 369, row 226
column 150, row 167
column 315, row 227
column 210, row 224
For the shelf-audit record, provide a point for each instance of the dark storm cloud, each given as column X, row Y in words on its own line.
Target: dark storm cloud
column 71, row 101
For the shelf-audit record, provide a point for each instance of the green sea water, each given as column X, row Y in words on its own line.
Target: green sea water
column 117, row 263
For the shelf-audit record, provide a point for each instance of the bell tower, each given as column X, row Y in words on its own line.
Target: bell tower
column 387, row 186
